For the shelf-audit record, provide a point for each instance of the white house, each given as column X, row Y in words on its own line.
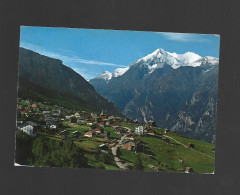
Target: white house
column 53, row 126
column 77, row 115
column 28, row 129
column 139, row 130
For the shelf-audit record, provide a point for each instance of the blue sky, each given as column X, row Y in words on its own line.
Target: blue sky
column 91, row 52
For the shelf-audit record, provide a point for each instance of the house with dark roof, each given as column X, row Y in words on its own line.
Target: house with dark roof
column 151, row 132
column 151, row 123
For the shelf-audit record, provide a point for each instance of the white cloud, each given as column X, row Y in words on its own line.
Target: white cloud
column 65, row 59
column 184, row 37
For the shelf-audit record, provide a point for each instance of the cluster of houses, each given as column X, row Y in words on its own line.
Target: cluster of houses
column 96, row 130
column 94, row 119
column 49, row 117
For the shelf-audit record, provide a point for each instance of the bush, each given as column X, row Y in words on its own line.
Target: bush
column 23, row 153
column 138, row 164
column 57, row 153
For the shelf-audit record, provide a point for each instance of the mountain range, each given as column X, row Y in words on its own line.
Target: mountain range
column 42, row 77
column 177, row 91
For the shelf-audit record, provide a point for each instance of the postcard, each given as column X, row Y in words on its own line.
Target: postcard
column 117, row 99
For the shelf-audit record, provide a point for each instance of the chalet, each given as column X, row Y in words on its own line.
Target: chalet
column 111, row 118
column 91, row 120
column 46, row 108
column 139, row 130
column 151, row 123
column 151, row 132
column 28, row 129
column 107, row 122
column 118, row 119
column 131, row 137
column 73, row 120
column 190, row 145
column 56, row 112
column 129, row 145
column 19, row 107
column 166, row 131
column 35, row 106
column 106, row 134
column 103, row 116
column 69, row 116
column 28, row 108
column 90, row 134
column 77, row 115
column 94, row 115
column 126, row 147
column 101, row 123
column 23, row 112
column 89, row 123
column 189, row 170
column 79, row 121
column 53, row 126
column 113, row 124
column 84, row 115
column 76, row 134
column 97, row 130
column 118, row 130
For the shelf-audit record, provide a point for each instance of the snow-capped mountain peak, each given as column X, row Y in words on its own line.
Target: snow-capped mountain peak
column 116, row 73
column 119, row 72
column 105, row 75
column 160, row 58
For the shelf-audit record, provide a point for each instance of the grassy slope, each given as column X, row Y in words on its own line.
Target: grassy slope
column 167, row 156
column 155, row 151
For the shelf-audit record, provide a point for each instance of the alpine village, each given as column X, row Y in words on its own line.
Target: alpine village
column 63, row 122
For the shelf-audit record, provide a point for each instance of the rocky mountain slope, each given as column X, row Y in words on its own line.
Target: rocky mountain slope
column 178, row 91
column 50, row 74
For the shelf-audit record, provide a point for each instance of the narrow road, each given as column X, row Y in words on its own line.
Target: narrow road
column 175, row 141
column 114, row 152
column 186, row 146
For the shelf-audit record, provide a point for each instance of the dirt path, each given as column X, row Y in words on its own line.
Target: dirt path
column 186, row 146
